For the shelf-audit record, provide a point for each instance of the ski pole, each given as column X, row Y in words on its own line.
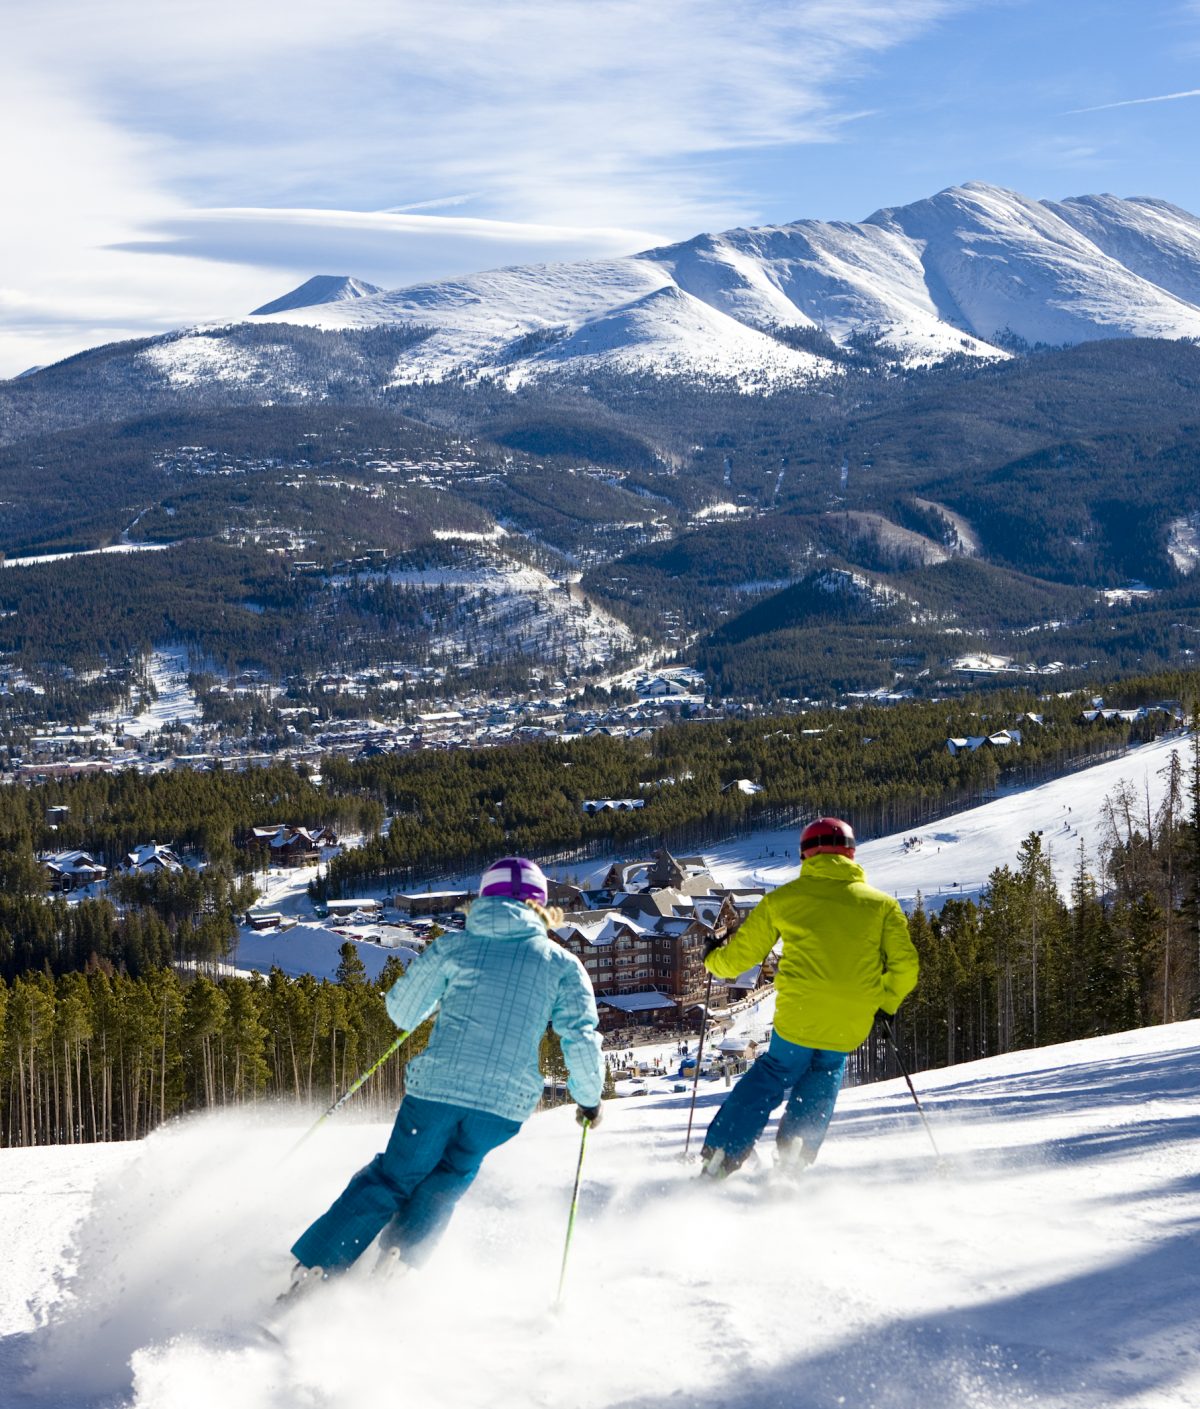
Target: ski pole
column 891, row 1037
column 350, row 1090
column 699, row 1054
column 562, row 1272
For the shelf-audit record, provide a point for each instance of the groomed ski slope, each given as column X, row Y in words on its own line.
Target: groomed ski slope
column 955, row 856
column 1053, row 1263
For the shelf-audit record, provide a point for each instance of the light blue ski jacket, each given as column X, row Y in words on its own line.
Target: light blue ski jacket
column 496, row 985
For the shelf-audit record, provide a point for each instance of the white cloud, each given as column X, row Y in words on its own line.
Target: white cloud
column 382, row 245
column 578, row 126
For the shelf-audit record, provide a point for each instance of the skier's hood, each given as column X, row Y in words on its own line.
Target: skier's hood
column 831, row 868
column 500, row 917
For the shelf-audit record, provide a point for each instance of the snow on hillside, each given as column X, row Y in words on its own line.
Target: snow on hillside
column 1183, row 543
column 39, row 558
column 174, row 700
column 521, row 608
column 1154, row 239
column 998, row 262
column 485, row 320
column 311, row 947
column 955, row 856
column 842, row 278
column 946, row 276
column 670, row 333
column 321, row 288
column 1050, row 1261
column 192, row 359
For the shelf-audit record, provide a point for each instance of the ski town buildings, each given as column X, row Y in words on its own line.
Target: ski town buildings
column 642, row 934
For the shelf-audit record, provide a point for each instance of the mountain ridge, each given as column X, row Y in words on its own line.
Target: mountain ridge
column 970, row 271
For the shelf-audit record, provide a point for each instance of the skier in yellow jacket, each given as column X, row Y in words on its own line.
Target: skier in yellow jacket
column 846, row 956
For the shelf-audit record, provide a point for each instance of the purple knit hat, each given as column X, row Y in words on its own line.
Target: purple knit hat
column 515, row 877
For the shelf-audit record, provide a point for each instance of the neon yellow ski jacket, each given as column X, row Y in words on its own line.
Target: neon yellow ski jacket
column 846, row 953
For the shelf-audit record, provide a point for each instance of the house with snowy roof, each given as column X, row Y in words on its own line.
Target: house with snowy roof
column 287, row 845
column 746, row 786
column 1001, row 739
column 592, row 805
column 71, row 870
column 151, row 859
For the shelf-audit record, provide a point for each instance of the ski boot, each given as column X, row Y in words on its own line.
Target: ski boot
column 792, row 1159
column 718, row 1163
column 305, row 1281
column 390, row 1265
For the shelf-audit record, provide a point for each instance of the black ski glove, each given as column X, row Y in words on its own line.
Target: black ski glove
column 712, row 944
column 589, row 1113
column 884, row 1019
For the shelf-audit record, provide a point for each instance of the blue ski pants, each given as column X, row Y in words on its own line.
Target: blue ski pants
column 807, row 1076
column 407, row 1193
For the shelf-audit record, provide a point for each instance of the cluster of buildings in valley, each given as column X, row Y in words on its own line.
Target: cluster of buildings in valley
column 75, row 869
column 278, row 845
column 304, row 732
column 641, row 935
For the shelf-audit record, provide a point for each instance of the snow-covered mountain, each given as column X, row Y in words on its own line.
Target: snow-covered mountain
column 967, row 271
column 321, row 288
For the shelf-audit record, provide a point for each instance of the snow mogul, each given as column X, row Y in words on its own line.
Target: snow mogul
column 846, row 956
column 495, row 987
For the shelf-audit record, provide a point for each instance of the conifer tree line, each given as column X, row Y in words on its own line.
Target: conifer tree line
column 879, row 766
column 100, row 1055
column 882, row 768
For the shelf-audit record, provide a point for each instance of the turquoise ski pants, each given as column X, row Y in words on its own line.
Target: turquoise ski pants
column 807, row 1076
column 405, row 1196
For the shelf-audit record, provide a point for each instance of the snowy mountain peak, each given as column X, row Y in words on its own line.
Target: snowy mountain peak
column 321, row 288
column 965, row 272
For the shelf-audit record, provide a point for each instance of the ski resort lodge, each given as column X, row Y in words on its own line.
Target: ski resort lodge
column 641, row 937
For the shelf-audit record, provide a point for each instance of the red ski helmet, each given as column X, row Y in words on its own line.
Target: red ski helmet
column 827, row 836
column 515, row 877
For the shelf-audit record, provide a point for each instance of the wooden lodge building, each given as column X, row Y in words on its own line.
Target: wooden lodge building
column 642, row 939
column 289, row 846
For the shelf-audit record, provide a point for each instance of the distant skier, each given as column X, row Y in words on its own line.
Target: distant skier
column 846, row 955
column 495, row 986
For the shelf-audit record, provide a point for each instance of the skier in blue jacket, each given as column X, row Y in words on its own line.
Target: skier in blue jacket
column 495, row 987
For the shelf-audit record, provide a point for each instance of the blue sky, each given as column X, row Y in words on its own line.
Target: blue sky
column 169, row 163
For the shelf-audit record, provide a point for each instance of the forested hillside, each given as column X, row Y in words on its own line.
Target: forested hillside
column 884, row 769
column 990, row 501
